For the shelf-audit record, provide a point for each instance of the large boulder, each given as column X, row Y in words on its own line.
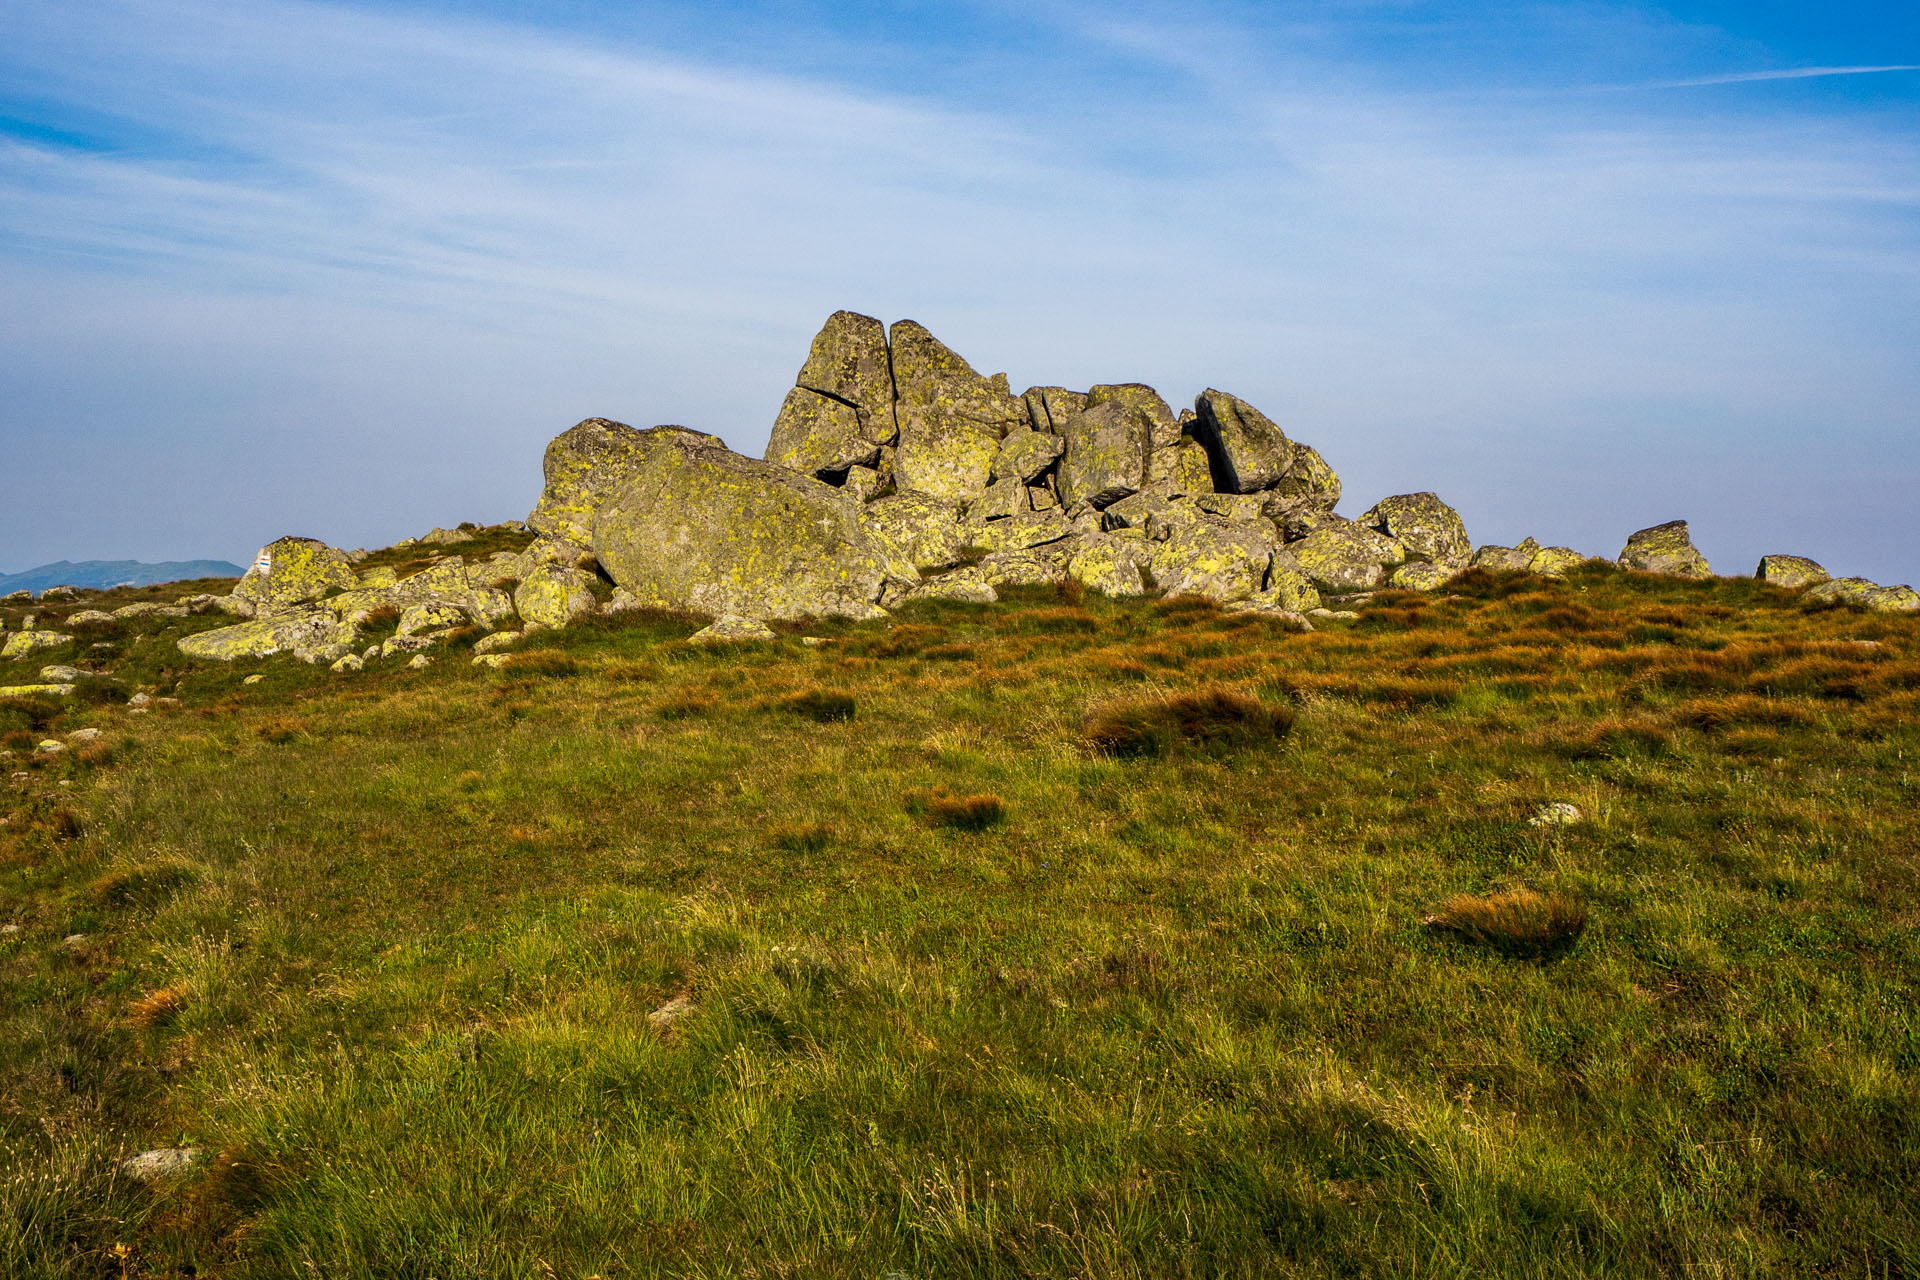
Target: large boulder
column 1428, row 528
column 1288, row 586
column 1182, row 468
column 1344, row 555
column 1223, row 559
column 1665, row 548
column 1863, row 594
column 1028, row 529
column 290, row 572
column 584, row 465
column 313, row 635
column 1248, row 451
column 23, row 644
column 1110, row 564
column 1556, row 562
column 1024, row 455
column 1143, row 402
column 704, row 529
column 951, row 419
column 1106, row 454
column 1791, row 572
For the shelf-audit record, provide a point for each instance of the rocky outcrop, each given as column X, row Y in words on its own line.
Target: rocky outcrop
column 314, row 635
column 951, row 419
column 703, row 528
column 583, row 466
column 840, row 413
column 1791, row 572
column 1499, row 559
column 1106, row 454
column 1665, row 548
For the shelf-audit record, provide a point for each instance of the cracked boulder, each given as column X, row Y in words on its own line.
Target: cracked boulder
column 1863, row 594
column 1224, row 560
column 916, row 530
column 1791, row 572
column 839, row 414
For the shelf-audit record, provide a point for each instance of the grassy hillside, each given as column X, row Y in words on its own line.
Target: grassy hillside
column 1063, row 936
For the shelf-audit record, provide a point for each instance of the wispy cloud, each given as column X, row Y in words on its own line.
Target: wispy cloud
column 1760, row 77
column 303, row 235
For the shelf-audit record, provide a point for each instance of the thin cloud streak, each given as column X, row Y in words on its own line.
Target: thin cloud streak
column 1756, row 77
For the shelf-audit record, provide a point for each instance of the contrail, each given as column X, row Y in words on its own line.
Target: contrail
column 1749, row 77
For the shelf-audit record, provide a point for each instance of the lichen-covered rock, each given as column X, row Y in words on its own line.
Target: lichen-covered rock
column 1344, row 555
column 1049, row 407
column 139, row 609
column 554, row 595
column 1288, row 587
column 1248, row 451
column 1134, row 510
column 585, row 464
column 848, row 361
column 290, row 572
column 1863, row 594
column 1221, row 559
column 1233, row 506
column 90, row 618
column 1506, row 559
column 732, row 628
column 1308, row 485
column 916, row 530
column 1791, row 572
column 705, row 529
column 1144, row 403
column 1428, row 528
column 1556, row 562
column 22, row 643
column 967, row 585
column 1025, row 454
column 310, row 635
column 1181, row 469
column 1110, row 565
column 1003, row 498
column 1027, row 566
column 862, row 484
column 430, row 616
column 1422, row 575
column 1665, row 548
column 951, row 419
column 819, row 436
column 1027, row 529
column 1106, row 454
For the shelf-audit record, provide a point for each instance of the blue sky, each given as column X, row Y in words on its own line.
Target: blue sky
column 343, row 269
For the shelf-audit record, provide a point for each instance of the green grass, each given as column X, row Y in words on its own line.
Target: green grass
column 1299, row 991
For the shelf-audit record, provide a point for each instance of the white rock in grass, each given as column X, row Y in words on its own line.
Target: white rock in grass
column 164, row 1162
column 1557, row 814
column 670, row 1012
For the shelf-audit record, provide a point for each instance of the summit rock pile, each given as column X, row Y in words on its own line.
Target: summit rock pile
column 895, row 471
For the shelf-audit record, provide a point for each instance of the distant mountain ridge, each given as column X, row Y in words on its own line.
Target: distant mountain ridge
column 111, row 573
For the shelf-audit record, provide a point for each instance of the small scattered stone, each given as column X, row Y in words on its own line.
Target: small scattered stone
column 351, row 662
column 498, row 640
column 492, row 660
column 140, row 701
column 166, row 1162
column 814, row 642
column 61, row 675
column 74, row 940
column 1558, row 814
column 49, row 748
column 255, row 678
column 420, row 662
column 83, row 736
column 1344, row 615
column 8, row 930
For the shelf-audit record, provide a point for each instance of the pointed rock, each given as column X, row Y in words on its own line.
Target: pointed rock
column 1665, row 548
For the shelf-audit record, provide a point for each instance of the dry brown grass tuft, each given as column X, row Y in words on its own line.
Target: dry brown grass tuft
column 823, row 706
column 1710, row 715
column 941, row 808
column 157, row 1009
column 1519, row 922
column 143, row 885
column 542, row 662
column 281, row 729
column 687, row 704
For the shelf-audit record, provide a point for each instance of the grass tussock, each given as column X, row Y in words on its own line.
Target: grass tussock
column 1519, row 922
column 822, row 706
column 157, row 1009
column 1210, row 719
column 941, row 808
column 281, row 729
column 144, row 885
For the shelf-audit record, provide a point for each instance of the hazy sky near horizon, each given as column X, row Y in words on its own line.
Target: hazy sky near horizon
column 344, row 269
